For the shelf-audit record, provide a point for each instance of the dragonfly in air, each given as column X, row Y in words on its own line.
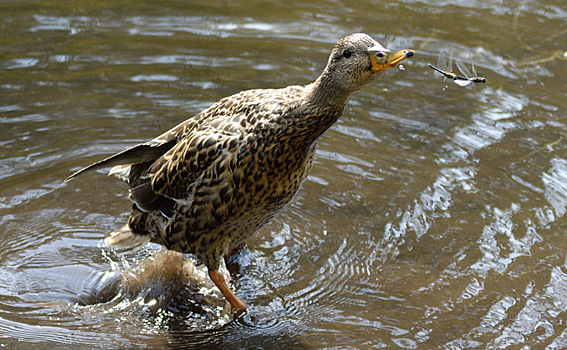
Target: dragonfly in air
column 468, row 78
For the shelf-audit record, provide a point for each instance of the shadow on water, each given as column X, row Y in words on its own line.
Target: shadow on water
column 434, row 216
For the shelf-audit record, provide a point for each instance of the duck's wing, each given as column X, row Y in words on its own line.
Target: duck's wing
column 139, row 154
column 199, row 160
column 171, row 166
column 207, row 155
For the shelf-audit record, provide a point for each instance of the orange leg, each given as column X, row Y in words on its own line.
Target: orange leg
column 219, row 281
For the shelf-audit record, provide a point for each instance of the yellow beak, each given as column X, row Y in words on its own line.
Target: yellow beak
column 382, row 58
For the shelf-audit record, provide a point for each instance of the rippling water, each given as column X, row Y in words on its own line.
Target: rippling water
column 434, row 216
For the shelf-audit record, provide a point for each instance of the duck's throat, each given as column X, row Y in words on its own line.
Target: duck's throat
column 327, row 92
column 325, row 103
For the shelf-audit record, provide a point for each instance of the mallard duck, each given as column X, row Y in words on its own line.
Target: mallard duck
column 206, row 185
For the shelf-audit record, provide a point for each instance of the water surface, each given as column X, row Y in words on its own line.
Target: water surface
column 434, row 216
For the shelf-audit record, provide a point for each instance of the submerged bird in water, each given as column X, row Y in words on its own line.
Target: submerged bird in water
column 206, row 185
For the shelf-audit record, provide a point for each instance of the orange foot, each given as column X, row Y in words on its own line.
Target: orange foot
column 237, row 305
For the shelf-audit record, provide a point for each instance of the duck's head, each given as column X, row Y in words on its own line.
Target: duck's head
column 357, row 60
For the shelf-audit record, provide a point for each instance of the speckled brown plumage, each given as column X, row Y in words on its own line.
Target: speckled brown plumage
column 206, row 185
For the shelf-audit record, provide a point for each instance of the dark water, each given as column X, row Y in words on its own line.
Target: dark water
column 434, row 218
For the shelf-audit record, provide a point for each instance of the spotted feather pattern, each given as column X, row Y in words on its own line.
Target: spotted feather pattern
column 210, row 182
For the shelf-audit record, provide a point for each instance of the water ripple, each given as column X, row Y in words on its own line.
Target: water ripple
column 415, row 229
column 555, row 183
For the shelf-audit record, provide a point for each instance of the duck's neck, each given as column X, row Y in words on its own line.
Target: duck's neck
column 324, row 104
column 326, row 92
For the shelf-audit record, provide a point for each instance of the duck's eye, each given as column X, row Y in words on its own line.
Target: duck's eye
column 380, row 54
column 347, row 53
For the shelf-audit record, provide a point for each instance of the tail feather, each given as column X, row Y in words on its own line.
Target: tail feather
column 125, row 240
column 144, row 152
